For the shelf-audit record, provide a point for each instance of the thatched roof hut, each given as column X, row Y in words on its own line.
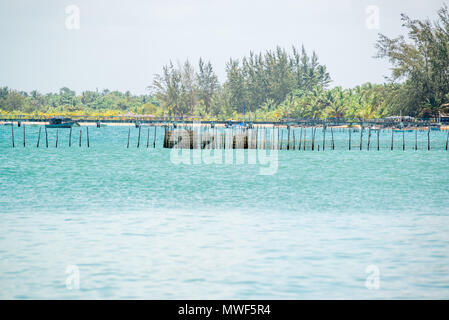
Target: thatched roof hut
column 444, row 113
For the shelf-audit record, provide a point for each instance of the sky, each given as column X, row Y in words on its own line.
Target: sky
column 121, row 45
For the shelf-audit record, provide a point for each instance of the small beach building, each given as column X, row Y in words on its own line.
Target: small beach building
column 444, row 115
column 400, row 118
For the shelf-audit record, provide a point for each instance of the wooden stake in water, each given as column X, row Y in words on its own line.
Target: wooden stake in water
column 222, row 142
column 80, row 136
column 24, row 135
column 279, row 140
column 305, row 132
column 216, row 139
column 378, row 134
column 392, row 139
column 294, row 142
column 361, row 137
column 201, row 138
column 288, row 138
column 282, row 137
column 38, row 137
column 428, row 139
column 313, row 138
column 349, row 142
column 257, row 138
column 46, row 137
column 369, row 137
column 56, row 144
column 70, row 137
column 12, row 135
column 332, row 134
column 416, row 139
column 324, row 137
column 266, row 137
column 88, row 141
column 403, row 140
column 138, row 138
column 148, row 137
column 447, row 139
column 129, row 133
column 154, row 140
column 300, row 139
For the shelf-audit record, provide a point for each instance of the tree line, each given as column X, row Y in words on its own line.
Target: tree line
column 67, row 101
column 276, row 84
column 421, row 61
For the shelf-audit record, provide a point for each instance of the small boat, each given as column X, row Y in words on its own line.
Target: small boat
column 100, row 125
column 230, row 123
column 239, row 124
column 403, row 130
column 435, row 129
column 61, row 123
column 8, row 123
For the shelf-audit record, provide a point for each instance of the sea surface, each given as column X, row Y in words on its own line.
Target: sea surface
column 118, row 222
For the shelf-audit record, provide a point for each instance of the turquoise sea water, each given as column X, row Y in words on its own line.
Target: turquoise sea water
column 137, row 225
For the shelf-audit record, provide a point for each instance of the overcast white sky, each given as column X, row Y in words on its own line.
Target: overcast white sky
column 122, row 44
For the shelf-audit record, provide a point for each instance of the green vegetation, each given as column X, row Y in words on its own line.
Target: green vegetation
column 67, row 102
column 275, row 85
column 422, row 61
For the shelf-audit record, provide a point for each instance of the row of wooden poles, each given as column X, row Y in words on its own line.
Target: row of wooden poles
column 148, row 137
column 252, row 138
column 80, row 137
column 46, row 137
column 236, row 138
